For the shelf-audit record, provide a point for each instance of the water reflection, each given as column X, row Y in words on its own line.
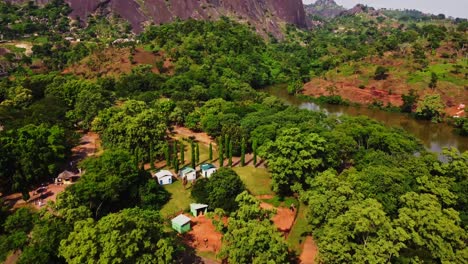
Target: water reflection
column 434, row 136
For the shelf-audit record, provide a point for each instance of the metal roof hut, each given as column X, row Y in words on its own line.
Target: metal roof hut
column 189, row 173
column 208, row 169
column 198, row 209
column 67, row 177
column 164, row 177
column 181, row 224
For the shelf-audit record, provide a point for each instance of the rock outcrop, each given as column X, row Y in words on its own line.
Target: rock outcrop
column 324, row 8
column 267, row 16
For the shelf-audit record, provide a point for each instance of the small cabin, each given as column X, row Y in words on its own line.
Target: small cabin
column 198, row 209
column 164, row 177
column 188, row 173
column 207, row 170
column 67, row 177
column 181, row 224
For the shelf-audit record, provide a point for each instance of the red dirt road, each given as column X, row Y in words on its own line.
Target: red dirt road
column 284, row 218
column 309, row 251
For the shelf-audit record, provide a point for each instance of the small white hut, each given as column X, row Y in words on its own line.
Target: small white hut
column 164, row 177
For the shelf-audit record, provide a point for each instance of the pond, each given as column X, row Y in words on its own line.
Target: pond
column 435, row 137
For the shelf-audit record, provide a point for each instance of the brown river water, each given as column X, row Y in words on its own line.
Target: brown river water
column 435, row 137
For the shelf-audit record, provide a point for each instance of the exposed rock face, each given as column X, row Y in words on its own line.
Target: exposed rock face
column 324, row 8
column 265, row 15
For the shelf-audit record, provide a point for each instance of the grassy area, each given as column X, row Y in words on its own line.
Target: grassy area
column 257, row 180
column 299, row 230
column 208, row 255
column 282, row 201
column 180, row 199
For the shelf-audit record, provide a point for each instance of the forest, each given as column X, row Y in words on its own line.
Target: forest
column 370, row 193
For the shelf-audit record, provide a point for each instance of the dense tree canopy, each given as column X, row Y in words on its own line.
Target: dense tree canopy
column 132, row 235
column 220, row 190
column 251, row 237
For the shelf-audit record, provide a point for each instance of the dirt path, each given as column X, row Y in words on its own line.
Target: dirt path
column 283, row 219
column 309, row 251
column 199, row 136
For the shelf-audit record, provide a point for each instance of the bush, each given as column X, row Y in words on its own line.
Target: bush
column 381, row 73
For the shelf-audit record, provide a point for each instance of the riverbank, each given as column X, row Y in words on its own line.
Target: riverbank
column 434, row 136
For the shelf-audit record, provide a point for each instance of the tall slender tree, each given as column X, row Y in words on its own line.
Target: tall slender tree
column 230, row 153
column 226, row 145
column 243, row 152
column 167, row 154
column 197, row 153
column 193, row 161
column 221, row 152
column 254, row 148
column 174, row 152
column 210, row 153
column 176, row 164
column 182, row 153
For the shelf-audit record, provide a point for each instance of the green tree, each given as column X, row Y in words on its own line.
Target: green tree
column 87, row 106
column 381, row 73
column 409, row 101
column 132, row 126
column 230, row 153
column 35, row 155
column 220, row 153
column 226, row 145
column 434, row 232
column 182, row 153
column 197, row 153
column 130, row 236
column 293, row 157
column 176, row 163
column 251, row 237
column 175, row 154
column 362, row 234
column 430, row 107
column 220, row 190
column 108, row 184
column 295, row 87
column 210, row 152
column 433, row 82
column 193, row 157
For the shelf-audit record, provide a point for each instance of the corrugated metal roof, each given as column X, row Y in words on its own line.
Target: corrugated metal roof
column 180, row 220
column 163, row 173
column 198, row 206
column 187, row 170
column 207, row 166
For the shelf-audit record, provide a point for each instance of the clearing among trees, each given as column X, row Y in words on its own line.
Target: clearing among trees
column 203, row 237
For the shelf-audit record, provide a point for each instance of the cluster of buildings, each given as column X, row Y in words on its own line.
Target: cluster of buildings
column 188, row 174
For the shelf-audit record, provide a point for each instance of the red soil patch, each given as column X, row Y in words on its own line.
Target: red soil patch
column 309, row 251
column 116, row 61
column 349, row 90
column 199, row 136
column 203, row 237
column 284, row 218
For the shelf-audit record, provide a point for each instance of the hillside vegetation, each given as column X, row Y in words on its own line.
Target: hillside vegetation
column 370, row 193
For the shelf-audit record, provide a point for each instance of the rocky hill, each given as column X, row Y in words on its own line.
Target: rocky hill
column 324, row 8
column 267, row 16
